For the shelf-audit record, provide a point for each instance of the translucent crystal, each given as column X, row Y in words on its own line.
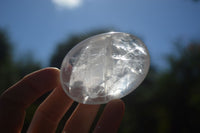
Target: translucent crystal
column 104, row 67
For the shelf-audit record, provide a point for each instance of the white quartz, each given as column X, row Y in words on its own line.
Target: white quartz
column 104, row 67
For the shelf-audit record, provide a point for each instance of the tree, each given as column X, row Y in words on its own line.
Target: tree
column 7, row 69
column 13, row 70
column 178, row 90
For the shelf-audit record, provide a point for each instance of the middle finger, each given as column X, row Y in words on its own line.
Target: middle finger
column 50, row 112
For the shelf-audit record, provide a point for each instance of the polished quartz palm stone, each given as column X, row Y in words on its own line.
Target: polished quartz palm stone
column 104, row 67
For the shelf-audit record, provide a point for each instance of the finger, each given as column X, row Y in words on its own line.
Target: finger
column 17, row 98
column 111, row 117
column 81, row 119
column 31, row 87
column 50, row 112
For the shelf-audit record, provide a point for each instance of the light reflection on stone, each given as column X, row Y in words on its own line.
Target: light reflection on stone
column 104, row 67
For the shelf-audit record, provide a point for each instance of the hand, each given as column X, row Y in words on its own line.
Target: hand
column 15, row 100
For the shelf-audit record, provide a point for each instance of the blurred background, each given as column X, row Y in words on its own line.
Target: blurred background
column 38, row 33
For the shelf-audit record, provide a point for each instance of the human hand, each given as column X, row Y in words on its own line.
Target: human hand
column 15, row 100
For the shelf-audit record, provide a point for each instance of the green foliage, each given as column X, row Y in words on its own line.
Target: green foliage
column 6, row 66
column 182, row 84
column 5, row 51
column 13, row 70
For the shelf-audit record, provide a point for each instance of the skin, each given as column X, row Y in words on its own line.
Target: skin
column 16, row 99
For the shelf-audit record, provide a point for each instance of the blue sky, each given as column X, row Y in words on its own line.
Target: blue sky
column 37, row 26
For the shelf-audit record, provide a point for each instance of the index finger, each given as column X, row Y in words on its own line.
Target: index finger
column 17, row 98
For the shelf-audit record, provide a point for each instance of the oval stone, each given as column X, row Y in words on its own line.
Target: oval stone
column 104, row 67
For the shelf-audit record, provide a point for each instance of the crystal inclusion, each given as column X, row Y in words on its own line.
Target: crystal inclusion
column 104, row 67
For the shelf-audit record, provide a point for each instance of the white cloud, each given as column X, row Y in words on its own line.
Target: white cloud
column 70, row 4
